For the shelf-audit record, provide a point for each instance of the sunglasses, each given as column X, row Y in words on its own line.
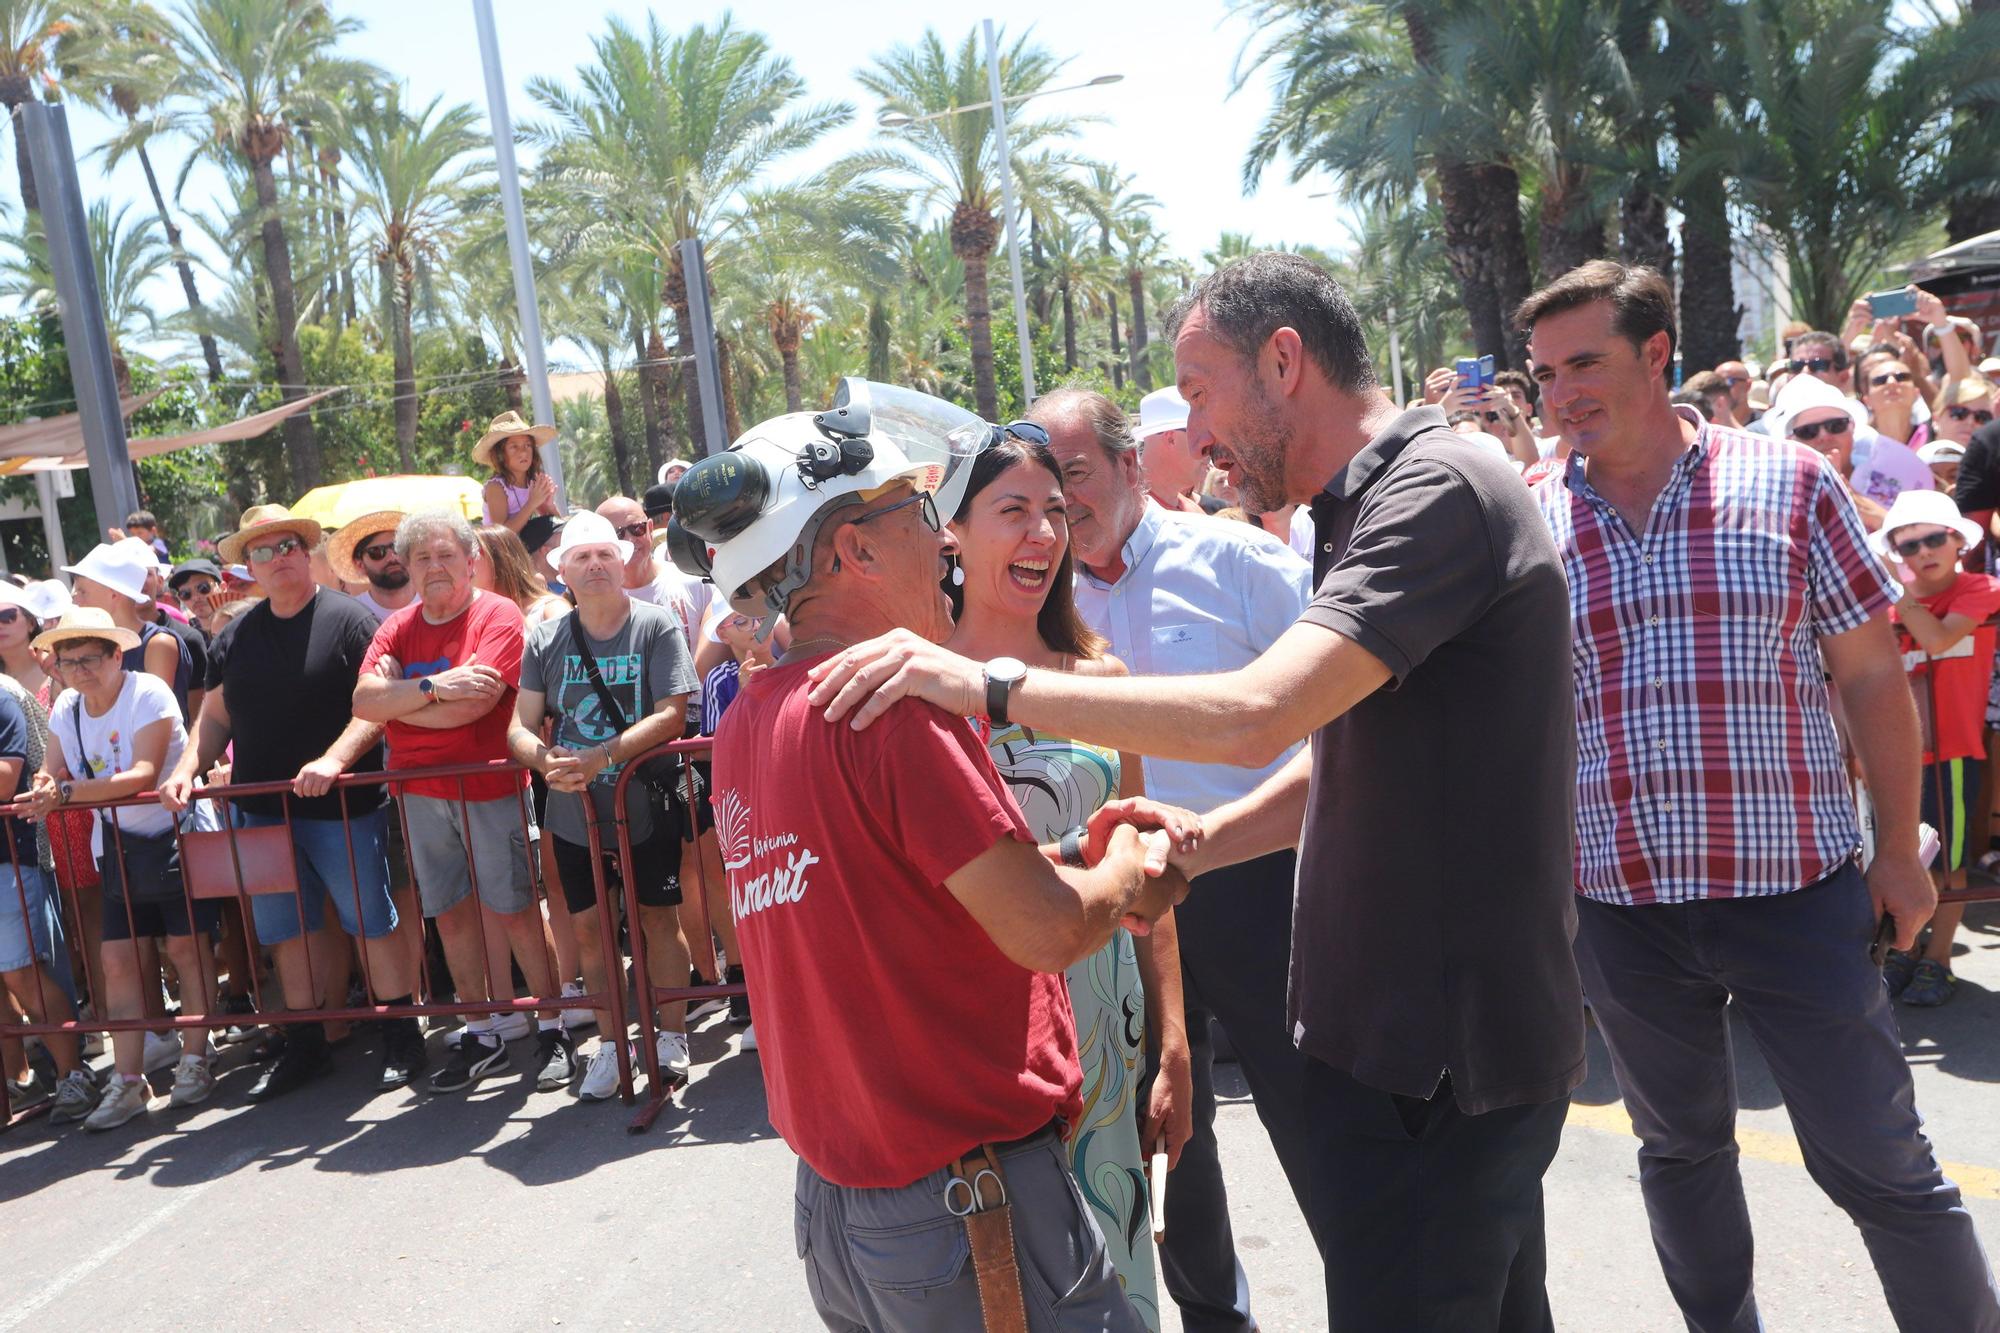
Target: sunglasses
column 1979, row 415
column 88, row 662
column 379, row 551
column 1811, row 430
column 187, row 592
column 1816, row 365
column 1898, row 376
column 1022, row 430
column 1733, row 380
column 277, row 550
column 634, row 531
column 9, row 614
column 928, row 513
column 1930, row 541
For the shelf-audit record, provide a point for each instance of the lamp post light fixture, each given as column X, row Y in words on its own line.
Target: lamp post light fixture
column 997, row 104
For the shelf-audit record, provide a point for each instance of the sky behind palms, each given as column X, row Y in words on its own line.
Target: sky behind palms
column 1172, row 123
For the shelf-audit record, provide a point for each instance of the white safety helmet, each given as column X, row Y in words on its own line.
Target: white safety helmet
column 762, row 501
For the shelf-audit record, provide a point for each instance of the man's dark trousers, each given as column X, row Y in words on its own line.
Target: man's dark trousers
column 1794, row 967
column 1236, row 939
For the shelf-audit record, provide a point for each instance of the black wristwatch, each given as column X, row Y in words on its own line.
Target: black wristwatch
column 1069, row 848
column 1002, row 675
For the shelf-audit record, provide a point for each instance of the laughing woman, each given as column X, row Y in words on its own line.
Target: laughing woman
column 1013, row 534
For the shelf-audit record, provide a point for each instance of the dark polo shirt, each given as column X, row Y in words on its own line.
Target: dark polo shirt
column 1434, row 915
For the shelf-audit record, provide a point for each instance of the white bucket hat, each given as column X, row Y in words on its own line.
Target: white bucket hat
column 1160, row 411
column 1926, row 509
column 588, row 528
column 120, row 567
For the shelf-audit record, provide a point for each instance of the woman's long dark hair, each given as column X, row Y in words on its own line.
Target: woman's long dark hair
column 1061, row 627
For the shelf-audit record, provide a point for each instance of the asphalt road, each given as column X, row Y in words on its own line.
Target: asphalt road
column 511, row 1209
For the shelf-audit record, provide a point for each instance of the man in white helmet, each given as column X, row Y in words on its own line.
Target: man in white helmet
column 905, row 938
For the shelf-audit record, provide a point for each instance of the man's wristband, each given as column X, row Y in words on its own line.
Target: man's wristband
column 1069, row 848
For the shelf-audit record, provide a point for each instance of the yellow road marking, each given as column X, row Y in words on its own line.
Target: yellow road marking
column 1974, row 1182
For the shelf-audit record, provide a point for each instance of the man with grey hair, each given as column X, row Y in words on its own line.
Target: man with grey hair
column 441, row 676
column 1176, row 593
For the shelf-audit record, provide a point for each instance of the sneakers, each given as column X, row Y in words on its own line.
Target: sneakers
column 703, row 1008
column 403, row 1053
column 162, row 1052
column 739, row 1005
column 303, row 1059
column 239, row 1008
column 76, row 1097
column 123, row 1099
column 22, row 1096
column 192, row 1081
column 577, row 1018
column 555, row 1056
column 1897, row 969
column 600, row 1076
column 672, row 1048
column 749, row 1042
column 511, row 1026
column 1930, row 985
column 475, row 1057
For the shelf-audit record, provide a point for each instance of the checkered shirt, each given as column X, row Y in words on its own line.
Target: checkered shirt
column 1707, row 765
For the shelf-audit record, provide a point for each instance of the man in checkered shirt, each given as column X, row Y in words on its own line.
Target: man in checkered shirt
column 1717, row 580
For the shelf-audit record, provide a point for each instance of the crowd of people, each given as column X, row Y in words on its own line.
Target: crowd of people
column 1046, row 752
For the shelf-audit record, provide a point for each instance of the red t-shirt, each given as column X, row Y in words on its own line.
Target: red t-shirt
column 894, row 1034
column 1962, row 680
column 487, row 632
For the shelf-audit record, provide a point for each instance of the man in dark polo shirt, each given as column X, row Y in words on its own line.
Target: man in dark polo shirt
column 1433, row 986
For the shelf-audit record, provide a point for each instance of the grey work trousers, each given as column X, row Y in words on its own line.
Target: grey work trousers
column 896, row 1261
column 1661, row 980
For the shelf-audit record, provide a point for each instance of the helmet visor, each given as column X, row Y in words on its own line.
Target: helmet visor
column 939, row 438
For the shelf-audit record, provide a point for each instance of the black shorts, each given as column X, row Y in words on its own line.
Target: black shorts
column 159, row 916
column 704, row 814
column 1959, row 781
column 657, row 870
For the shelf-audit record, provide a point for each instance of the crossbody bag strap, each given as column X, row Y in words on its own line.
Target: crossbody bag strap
column 605, row 697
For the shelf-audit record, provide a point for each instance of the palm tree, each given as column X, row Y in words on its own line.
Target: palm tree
column 235, row 76
column 661, row 139
column 414, row 172
column 952, row 158
column 1835, row 134
column 126, row 258
column 1145, row 251
column 28, row 33
column 588, row 310
column 1117, row 209
column 1081, row 272
column 96, row 54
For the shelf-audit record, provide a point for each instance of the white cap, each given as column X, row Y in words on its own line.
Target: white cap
column 588, row 528
column 122, row 567
column 672, row 470
column 1804, row 391
column 46, row 599
column 1942, row 451
column 1162, row 410
column 1929, row 509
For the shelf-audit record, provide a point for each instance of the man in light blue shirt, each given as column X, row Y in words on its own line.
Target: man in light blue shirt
column 1179, row 593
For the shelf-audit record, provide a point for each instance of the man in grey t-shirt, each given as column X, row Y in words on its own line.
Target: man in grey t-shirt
column 638, row 700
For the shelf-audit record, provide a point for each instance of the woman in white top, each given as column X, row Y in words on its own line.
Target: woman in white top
column 112, row 734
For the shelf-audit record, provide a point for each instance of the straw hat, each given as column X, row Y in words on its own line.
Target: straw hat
column 505, row 426
column 85, row 622
column 340, row 546
column 265, row 521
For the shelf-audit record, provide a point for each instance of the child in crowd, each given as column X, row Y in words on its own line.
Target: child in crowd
column 1948, row 650
column 1943, row 456
column 738, row 633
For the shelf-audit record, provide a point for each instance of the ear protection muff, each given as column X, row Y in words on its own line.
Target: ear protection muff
column 835, row 456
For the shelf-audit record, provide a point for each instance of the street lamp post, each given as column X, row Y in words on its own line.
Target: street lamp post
column 998, row 104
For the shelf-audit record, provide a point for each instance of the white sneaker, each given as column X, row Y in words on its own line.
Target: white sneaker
column 749, row 1042
column 162, row 1052
column 76, row 1097
column 192, row 1081
column 123, row 1099
column 672, row 1048
column 600, row 1077
column 577, row 1018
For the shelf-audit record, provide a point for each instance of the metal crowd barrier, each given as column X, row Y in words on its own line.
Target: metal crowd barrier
column 240, row 863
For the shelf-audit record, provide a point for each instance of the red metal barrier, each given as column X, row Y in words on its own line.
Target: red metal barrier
column 241, row 863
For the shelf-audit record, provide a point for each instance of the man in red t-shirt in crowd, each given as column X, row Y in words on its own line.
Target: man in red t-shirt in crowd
column 441, row 675
column 904, row 937
column 1941, row 625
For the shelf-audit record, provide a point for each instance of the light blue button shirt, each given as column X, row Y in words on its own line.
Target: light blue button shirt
column 1199, row 594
